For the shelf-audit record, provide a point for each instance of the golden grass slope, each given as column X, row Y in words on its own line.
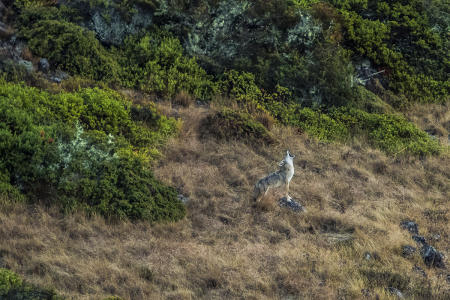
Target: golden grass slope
column 228, row 249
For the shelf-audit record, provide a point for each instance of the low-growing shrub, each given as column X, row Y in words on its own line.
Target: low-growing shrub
column 12, row 287
column 386, row 131
column 71, row 48
column 155, row 63
column 233, row 125
column 389, row 132
column 183, row 99
column 89, row 149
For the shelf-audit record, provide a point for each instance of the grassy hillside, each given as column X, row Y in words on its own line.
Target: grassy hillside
column 348, row 243
column 132, row 133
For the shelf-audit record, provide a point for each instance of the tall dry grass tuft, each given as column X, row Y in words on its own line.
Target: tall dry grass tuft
column 347, row 245
column 183, row 98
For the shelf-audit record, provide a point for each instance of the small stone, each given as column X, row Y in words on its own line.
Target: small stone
column 58, row 76
column 419, row 239
column 408, row 251
column 411, row 226
column 370, row 256
column 366, row 293
column 432, row 257
column 27, row 65
column 396, row 292
column 43, row 65
column 291, row 204
column 436, row 237
column 183, row 199
column 55, row 79
column 61, row 74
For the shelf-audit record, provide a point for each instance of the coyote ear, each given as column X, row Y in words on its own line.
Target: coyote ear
column 282, row 163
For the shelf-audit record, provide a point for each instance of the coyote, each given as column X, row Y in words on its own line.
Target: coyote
column 281, row 177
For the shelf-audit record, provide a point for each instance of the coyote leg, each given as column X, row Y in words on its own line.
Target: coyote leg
column 288, row 198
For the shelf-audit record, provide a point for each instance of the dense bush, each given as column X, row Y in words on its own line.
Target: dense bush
column 384, row 130
column 71, row 48
column 400, row 37
column 12, row 287
column 234, row 125
column 389, row 132
column 155, row 63
column 88, row 149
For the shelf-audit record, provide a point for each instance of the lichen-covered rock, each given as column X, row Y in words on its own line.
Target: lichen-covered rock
column 111, row 23
column 231, row 31
column 408, row 251
column 411, row 226
column 432, row 257
column 291, row 204
column 396, row 292
column 420, row 240
column 44, row 65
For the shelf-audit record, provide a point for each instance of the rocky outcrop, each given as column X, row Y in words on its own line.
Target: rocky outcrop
column 229, row 31
column 431, row 257
column 111, row 23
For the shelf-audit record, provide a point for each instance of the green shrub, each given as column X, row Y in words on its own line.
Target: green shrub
column 155, row 63
column 89, row 149
column 95, row 109
column 240, row 86
column 71, row 48
column 8, row 281
column 400, row 38
column 386, row 131
column 389, row 132
column 233, row 125
column 12, row 287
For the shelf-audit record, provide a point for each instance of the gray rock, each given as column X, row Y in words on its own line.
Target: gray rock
column 27, row 65
column 58, row 76
column 110, row 22
column 366, row 293
column 420, row 240
column 408, row 251
column 55, row 79
column 411, row 226
column 43, row 65
column 183, row 199
column 292, row 205
column 112, row 31
column 432, row 257
column 396, row 292
column 370, row 256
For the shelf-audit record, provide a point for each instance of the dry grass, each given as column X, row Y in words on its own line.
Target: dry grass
column 226, row 248
column 433, row 118
column 183, row 98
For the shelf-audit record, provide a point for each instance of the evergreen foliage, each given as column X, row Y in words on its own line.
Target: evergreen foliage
column 84, row 150
column 12, row 287
column 233, row 125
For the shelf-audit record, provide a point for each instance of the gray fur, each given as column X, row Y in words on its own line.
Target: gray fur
column 281, row 177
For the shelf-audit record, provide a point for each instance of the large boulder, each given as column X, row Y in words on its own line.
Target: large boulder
column 432, row 257
column 112, row 22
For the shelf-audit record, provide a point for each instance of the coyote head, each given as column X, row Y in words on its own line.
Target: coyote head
column 288, row 159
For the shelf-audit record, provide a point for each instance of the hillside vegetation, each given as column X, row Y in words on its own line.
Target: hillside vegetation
column 132, row 133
